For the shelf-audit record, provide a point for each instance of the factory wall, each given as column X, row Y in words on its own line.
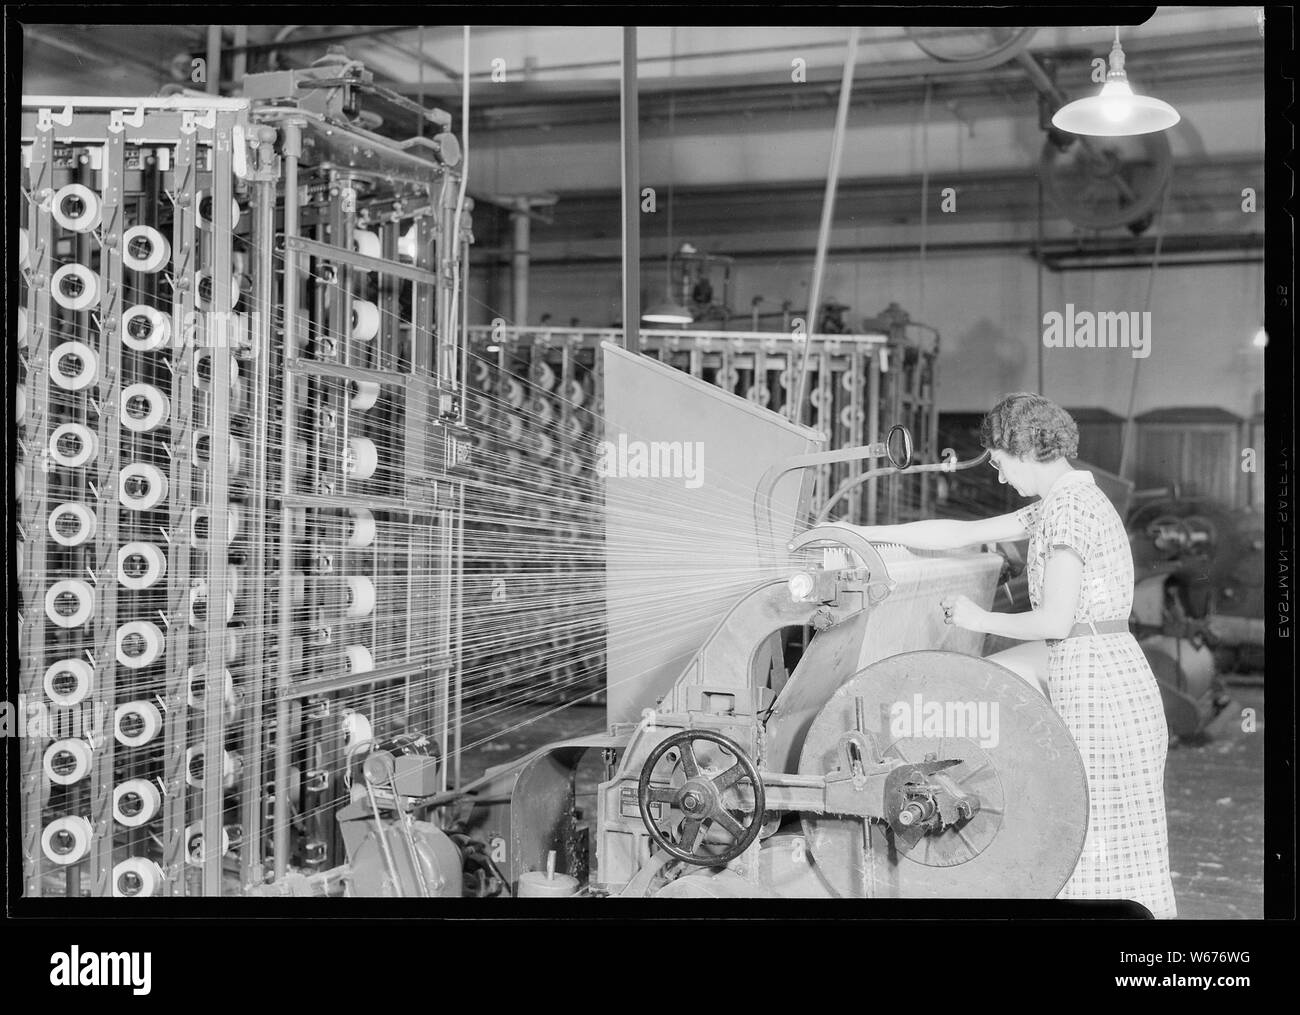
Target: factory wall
column 1202, row 321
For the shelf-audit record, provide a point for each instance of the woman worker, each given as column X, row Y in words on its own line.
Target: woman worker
column 1081, row 588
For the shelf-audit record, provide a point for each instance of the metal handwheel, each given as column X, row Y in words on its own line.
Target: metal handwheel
column 700, row 800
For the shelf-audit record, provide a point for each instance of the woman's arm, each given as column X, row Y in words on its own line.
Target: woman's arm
column 1054, row 616
column 947, row 533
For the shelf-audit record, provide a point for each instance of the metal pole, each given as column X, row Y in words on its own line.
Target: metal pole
column 284, row 674
column 828, row 211
column 264, row 281
column 1038, row 256
column 240, row 58
column 631, row 145
column 519, row 263
column 213, row 70
column 220, row 575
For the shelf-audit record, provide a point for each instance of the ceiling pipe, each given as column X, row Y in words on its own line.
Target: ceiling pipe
column 1249, row 245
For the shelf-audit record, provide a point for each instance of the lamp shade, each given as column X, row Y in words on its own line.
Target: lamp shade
column 667, row 312
column 1116, row 111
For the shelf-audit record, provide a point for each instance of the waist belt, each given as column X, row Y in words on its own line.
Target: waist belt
column 1091, row 627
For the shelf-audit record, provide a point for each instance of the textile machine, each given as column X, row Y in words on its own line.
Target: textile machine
column 890, row 761
column 243, row 374
column 240, row 383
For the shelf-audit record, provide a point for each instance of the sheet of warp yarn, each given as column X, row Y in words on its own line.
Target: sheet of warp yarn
column 679, row 556
column 909, row 620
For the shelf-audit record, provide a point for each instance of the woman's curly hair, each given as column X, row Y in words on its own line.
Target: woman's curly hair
column 1028, row 426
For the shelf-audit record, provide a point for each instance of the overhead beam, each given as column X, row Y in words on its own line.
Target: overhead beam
column 988, row 195
column 1058, row 254
column 1183, row 57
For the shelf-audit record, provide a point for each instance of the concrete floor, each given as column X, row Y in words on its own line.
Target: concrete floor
column 1214, row 797
column 1214, row 794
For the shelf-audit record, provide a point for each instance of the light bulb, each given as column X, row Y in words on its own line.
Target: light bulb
column 1115, row 103
column 1261, row 339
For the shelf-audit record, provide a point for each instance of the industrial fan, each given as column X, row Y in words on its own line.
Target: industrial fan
column 973, row 47
column 1103, row 183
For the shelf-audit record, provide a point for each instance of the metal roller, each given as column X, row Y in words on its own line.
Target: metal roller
column 145, row 249
column 136, row 723
column 73, row 366
column 1005, row 819
column 75, row 287
column 364, row 325
column 364, row 395
column 199, row 605
column 199, row 518
column 201, row 442
column 360, row 596
column 70, row 603
column 195, row 763
column 140, row 643
column 136, row 802
column 196, row 688
column 66, row 840
column 140, row 565
column 145, row 329
column 73, row 445
column 76, row 208
column 206, row 292
column 204, row 209
column 137, row 877
column 195, row 851
column 361, row 532
column 144, row 407
column 141, row 486
column 67, row 761
column 367, row 244
column 362, row 458
column 68, row 682
column 72, row 524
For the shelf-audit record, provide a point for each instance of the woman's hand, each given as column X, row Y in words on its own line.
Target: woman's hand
column 961, row 612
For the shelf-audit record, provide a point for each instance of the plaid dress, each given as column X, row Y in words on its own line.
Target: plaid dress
column 1104, row 690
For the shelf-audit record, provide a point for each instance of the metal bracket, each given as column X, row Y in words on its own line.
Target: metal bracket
column 333, row 253
column 191, row 121
column 47, row 120
column 119, row 119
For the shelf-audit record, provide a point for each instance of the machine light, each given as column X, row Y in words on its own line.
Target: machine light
column 1116, row 111
column 667, row 312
